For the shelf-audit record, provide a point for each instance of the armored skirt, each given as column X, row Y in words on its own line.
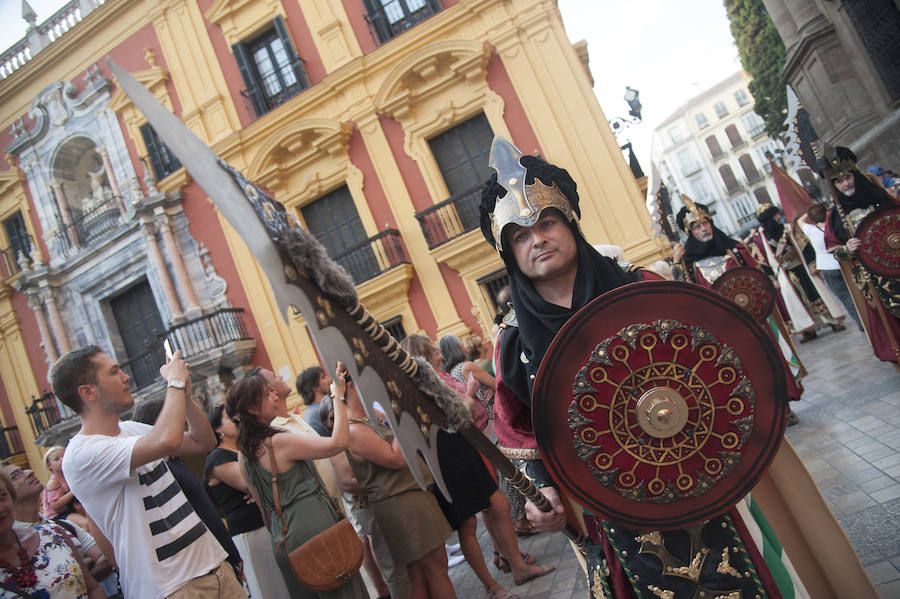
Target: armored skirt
column 307, row 512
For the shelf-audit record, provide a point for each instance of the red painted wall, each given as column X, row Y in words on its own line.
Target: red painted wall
column 375, row 198
column 514, row 114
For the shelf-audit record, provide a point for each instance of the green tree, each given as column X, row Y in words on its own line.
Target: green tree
column 762, row 55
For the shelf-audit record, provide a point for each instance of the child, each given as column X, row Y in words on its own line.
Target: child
column 59, row 502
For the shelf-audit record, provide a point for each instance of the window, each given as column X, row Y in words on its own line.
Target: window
column 753, row 124
column 734, row 138
column 334, row 220
column 389, row 18
column 701, row 120
column 687, row 162
column 720, row 109
column 700, row 189
column 676, row 134
column 462, row 154
column 163, row 162
column 749, row 168
column 19, row 244
column 395, row 327
column 714, row 148
column 728, row 178
column 762, row 195
column 493, row 284
column 270, row 67
column 741, row 97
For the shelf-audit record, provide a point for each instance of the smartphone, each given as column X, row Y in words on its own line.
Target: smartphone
column 168, row 348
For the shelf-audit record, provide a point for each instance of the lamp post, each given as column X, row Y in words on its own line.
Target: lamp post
column 619, row 124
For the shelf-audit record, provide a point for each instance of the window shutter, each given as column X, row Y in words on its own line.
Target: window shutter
column 281, row 30
column 378, row 20
column 248, row 74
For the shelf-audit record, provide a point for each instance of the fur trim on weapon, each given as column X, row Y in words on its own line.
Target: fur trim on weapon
column 458, row 415
column 309, row 254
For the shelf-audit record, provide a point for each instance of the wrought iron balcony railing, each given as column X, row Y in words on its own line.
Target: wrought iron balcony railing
column 276, row 88
column 10, row 442
column 45, row 411
column 389, row 20
column 194, row 338
column 374, row 256
column 9, row 260
column 91, row 226
column 451, row 218
column 757, row 130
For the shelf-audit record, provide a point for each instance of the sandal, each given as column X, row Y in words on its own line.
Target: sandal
column 792, row 418
column 525, row 576
column 528, row 558
column 498, row 592
column 501, row 563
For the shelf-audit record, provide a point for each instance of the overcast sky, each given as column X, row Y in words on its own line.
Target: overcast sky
column 668, row 50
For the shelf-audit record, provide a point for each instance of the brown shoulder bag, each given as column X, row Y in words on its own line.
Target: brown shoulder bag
column 329, row 559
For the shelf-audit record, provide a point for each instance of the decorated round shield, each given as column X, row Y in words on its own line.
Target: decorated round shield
column 879, row 234
column 659, row 405
column 750, row 289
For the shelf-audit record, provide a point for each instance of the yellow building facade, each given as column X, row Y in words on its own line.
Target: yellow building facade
column 367, row 119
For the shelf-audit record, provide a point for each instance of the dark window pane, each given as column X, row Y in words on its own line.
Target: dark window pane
column 163, row 161
column 462, row 154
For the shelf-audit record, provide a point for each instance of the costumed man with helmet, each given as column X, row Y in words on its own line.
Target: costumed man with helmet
column 877, row 297
column 806, row 309
column 529, row 213
column 707, row 254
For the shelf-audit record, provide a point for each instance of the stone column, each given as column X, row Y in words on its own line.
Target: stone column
column 56, row 322
column 37, row 306
column 63, row 208
column 159, row 264
column 111, row 177
column 181, row 275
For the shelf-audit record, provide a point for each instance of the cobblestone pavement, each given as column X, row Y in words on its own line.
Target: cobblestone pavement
column 849, row 438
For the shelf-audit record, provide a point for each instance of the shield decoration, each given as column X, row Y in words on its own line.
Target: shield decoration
column 659, row 405
column 749, row 288
column 879, row 234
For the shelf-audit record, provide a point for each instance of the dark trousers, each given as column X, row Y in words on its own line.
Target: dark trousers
column 838, row 286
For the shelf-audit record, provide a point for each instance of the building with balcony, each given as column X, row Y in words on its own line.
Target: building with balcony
column 370, row 120
column 714, row 150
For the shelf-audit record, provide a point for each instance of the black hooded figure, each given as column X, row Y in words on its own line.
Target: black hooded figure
column 695, row 249
column 540, row 320
column 776, row 233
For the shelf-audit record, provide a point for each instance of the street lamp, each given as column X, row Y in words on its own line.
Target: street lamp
column 619, row 124
column 632, row 98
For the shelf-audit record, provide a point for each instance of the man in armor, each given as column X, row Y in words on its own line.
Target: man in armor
column 877, row 297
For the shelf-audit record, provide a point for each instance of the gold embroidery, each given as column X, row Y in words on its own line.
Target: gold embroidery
column 693, row 571
column 732, row 595
column 725, row 567
column 597, row 586
column 661, row 593
column 651, row 538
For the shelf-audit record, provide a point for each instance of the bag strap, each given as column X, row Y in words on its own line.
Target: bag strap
column 315, row 474
column 276, row 497
column 12, row 589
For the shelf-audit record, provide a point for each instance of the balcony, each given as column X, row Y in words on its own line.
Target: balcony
column 87, row 229
column 9, row 260
column 10, row 442
column 387, row 22
column 276, row 88
column 196, row 338
column 46, row 412
column 374, row 256
column 451, row 218
column 757, row 130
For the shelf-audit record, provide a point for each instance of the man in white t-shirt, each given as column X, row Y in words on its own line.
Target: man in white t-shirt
column 813, row 226
column 117, row 471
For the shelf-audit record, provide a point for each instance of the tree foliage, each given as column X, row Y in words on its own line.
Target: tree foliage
column 763, row 56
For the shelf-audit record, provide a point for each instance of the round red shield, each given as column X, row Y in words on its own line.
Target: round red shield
column 750, row 289
column 659, row 405
column 879, row 234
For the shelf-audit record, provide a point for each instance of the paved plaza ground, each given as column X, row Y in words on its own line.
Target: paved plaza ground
column 849, row 438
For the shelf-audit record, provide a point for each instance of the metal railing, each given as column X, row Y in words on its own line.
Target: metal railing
column 272, row 90
column 757, row 130
column 374, row 256
column 387, row 22
column 46, row 411
column 86, row 229
column 451, row 218
column 194, row 338
column 45, row 34
column 10, row 442
column 9, row 263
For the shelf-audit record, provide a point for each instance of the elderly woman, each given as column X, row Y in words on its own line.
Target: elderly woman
column 40, row 561
column 474, row 490
column 306, row 508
